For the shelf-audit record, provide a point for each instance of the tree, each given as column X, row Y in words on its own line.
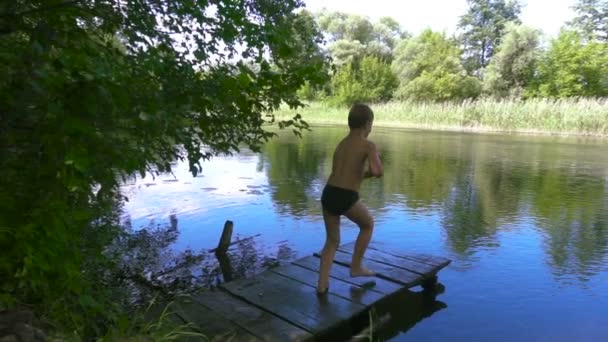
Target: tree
column 92, row 91
column 377, row 79
column 512, row 67
column 592, row 19
column 345, row 51
column 428, row 68
column 386, row 34
column 351, row 36
column 345, row 85
column 311, row 90
column 572, row 67
column 370, row 80
column 482, row 28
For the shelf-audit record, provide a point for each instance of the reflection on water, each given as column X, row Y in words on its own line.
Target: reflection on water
column 420, row 305
column 476, row 183
column 524, row 218
column 246, row 259
column 150, row 267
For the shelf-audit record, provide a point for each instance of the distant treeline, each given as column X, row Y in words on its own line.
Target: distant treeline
column 491, row 55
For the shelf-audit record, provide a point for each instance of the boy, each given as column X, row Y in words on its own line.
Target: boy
column 341, row 197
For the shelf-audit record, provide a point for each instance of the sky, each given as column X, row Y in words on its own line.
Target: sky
column 442, row 15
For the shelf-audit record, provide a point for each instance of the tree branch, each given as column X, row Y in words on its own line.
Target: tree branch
column 49, row 8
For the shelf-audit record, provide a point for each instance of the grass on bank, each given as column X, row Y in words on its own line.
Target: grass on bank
column 155, row 323
column 579, row 116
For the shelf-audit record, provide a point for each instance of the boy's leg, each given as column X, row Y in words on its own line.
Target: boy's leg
column 332, row 241
column 360, row 215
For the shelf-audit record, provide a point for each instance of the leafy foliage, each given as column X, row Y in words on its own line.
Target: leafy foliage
column 504, row 55
column 371, row 80
column 92, row 91
column 591, row 19
column 428, row 68
column 309, row 93
column 377, row 78
column 351, row 37
column 572, row 67
column 345, row 85
column 482, row 28
column 512, row 67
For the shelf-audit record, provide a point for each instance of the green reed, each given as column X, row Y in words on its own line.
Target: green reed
column 580, row 116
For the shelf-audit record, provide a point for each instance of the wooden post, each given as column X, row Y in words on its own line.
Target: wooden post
column 430, row 283
column 368, row 334
column 225, row 266
column 222, row 247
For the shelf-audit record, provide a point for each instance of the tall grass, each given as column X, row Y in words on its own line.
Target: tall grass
column 580, row 116
column 156, row 322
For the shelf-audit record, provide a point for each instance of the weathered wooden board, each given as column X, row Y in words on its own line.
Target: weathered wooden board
column 355, row 293
column 438, row 261
column 342, row 273
column 386, row 271
column 406, row 264
column 258, row 322
column 295, row 302
column 214, row 326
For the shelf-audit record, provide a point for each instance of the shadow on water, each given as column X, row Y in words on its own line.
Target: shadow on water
column 408, row 309
column 245, row 259
column 391, row 316
column 150, row 267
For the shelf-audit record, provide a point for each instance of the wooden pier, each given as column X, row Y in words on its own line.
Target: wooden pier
column 281, row 304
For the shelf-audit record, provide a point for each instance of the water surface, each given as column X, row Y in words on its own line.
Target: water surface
column 523, row 218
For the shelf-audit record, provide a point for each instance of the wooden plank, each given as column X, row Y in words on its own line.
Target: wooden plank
column 295, row 302
column 358, row 294
column 342, row 273
column 438, row 261
column 392, row 273
column 260, row 323
column 434, row 260
column 215, row 327
column 406, row 264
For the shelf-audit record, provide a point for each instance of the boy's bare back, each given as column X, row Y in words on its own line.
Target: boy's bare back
column 350, row 156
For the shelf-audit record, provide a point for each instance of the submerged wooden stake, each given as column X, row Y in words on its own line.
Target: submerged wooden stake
column 369, row 333
column 222, row 247
column 237, row 242
column 225, row 266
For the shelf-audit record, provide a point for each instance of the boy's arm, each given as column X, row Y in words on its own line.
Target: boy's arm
column 375, row 165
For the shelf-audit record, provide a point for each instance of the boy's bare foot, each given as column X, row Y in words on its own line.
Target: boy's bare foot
column 361, row 272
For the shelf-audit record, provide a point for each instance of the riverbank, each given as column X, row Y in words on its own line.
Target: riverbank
column 538, row 116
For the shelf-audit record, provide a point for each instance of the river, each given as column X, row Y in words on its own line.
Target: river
column 524, row 219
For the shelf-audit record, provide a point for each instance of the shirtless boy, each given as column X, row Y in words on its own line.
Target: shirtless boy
column 341, row 194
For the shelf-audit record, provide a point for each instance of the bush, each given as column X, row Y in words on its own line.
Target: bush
column 428, row 68
column 370, row 80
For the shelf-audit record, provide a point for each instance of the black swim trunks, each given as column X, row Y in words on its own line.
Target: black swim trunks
column 338, row 200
